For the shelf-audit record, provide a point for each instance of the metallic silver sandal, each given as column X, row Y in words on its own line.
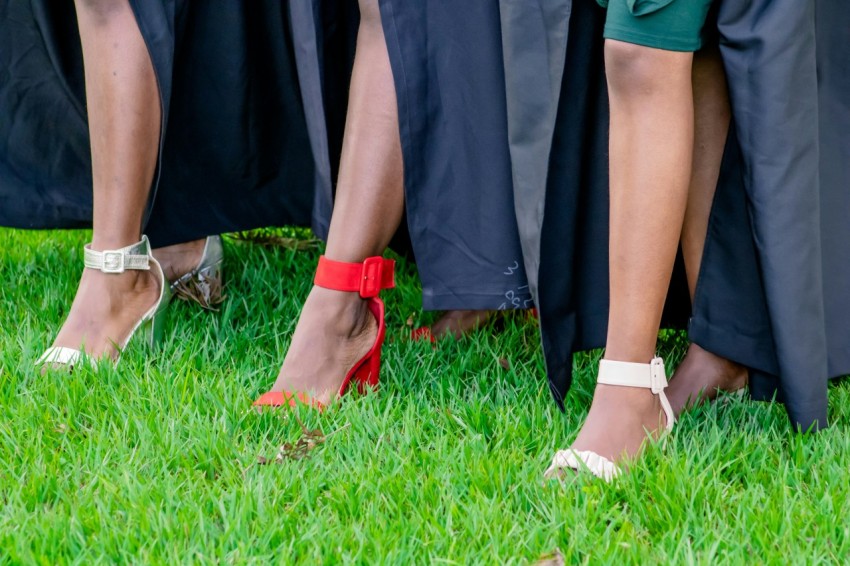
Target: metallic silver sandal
column 204, row 283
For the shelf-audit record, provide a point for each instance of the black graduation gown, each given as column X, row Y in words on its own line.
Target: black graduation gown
column 773, row 286
column 234, row 149
column 449, row 75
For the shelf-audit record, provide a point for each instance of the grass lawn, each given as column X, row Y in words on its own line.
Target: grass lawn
column 156, row 460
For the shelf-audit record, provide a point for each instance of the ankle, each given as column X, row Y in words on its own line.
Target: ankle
column 128, row 282
column 346, row 313
column 637, row 398
column 113, row 242
column 630, row 355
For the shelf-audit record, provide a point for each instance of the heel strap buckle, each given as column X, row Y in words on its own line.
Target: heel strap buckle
column 136, row 256
column 657, row 376
column 112, row 261
column 367, row 278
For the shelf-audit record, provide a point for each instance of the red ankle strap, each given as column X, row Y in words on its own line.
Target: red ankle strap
column 368, row 278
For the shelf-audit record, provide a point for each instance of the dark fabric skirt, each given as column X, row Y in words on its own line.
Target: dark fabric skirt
column 773, row 290
column 449, row 74
column 234, row 150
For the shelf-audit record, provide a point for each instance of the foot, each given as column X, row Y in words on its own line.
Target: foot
column 459, row 323
column 620, row 421
column 106, row 309
column 180, row 259
column 335, row 330
column 700, row 377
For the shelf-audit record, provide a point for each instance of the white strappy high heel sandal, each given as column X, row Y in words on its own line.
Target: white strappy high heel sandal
column 623, row 374
column 138, row 257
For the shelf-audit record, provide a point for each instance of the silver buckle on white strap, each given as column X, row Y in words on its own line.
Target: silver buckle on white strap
column 135, row 256
column 112, row 261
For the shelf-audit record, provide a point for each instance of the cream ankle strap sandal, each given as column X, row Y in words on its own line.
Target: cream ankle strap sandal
column 622, row 374
column 134, row 257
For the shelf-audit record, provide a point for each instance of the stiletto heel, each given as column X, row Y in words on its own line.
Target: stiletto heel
column 368, row 279
column 367, row 377
column 623, row 374
column 156, row 329
column 136, row 257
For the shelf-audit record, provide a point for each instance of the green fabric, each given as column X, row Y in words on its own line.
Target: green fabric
column 674, row 25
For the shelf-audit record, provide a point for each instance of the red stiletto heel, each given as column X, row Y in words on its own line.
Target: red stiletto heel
column 368, row 279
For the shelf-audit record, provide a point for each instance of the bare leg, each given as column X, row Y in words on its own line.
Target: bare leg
column 336, row 328
column 702, row 373
column 651, row 152
column 711, row 127
column 124, row 124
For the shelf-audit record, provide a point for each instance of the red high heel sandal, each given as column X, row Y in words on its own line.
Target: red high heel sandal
column 367, row 278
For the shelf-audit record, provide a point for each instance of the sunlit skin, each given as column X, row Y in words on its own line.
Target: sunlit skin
column 124, row 117
column 124, row 122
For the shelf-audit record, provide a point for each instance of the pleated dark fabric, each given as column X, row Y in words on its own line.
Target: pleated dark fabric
column 833, row 59
column 558, row 116
column 234, row 151
column 449, row 74
column 773, row 287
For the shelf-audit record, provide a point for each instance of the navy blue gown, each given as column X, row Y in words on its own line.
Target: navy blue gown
column 234, row 147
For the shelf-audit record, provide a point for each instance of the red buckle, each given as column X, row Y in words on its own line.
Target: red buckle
column 372, row 277
column 368, row 278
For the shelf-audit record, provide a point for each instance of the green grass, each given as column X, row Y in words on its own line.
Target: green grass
column 156, row 460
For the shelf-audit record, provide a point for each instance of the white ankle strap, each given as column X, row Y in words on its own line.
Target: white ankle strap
column 135, row 256
column 627, row 374
column 649, row 376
